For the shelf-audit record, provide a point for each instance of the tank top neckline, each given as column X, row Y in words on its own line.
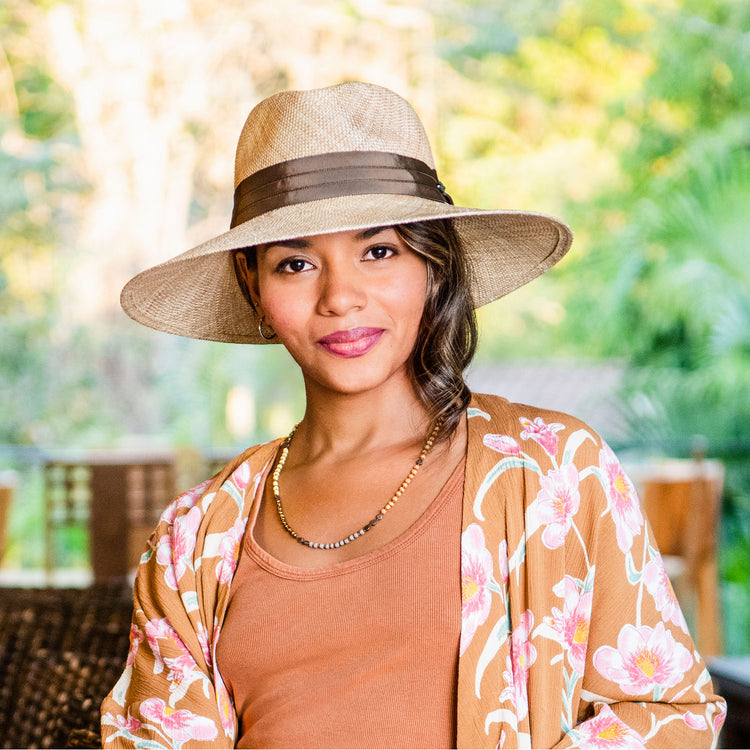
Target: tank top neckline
column 281, row 569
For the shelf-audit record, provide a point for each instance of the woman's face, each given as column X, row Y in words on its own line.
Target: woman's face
column 346, row 305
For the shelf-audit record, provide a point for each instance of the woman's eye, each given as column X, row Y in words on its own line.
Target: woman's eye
column 380, row 252
column 293, row 265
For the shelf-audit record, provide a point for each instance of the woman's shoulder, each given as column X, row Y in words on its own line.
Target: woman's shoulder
column 228, row 486
column 513, row 418
column 251, row 461
column 533, row 449
column 544, row 438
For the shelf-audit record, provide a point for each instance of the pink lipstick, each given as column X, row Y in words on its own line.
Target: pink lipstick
column 352, row 343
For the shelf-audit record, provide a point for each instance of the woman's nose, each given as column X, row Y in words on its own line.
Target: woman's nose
column 342, row 290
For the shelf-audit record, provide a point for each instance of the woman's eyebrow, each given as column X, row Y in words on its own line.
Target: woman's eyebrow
column 302, row 244
column 296, row 244
column 371, row 232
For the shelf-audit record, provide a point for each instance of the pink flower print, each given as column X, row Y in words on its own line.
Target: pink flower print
column 645, row 659
column 181, row 725
column 170, row 512
column 129, row 724
column 176, row 548
column 659, row 586
column 570, row 626
column 502, row 444
column 557, row 503
column 205, row 646
column 229, row 552
column 694, row 721
column 179, row 668
column 476, row 574
column 623, row 501
column 226, row 711
column 606, row 730
column 522, row 656
column 136, row 638
column 242, row 475
column 161, row 628
column 182, row 672
column 542, row 433
column 509, row 692
column 576, row 632
column 502, row 560
column 720, row 716
column 165, row 557
column 185, row 500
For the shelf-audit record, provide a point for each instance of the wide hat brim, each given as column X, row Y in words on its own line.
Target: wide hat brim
column 196, row 294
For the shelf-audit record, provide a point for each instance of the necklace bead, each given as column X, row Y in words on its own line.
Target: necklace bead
column 378, row 517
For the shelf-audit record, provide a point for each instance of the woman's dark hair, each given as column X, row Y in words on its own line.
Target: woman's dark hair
column 447, row 336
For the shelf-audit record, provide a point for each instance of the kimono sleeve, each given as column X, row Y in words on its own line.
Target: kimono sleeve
column 644, row 683
column 168, row 695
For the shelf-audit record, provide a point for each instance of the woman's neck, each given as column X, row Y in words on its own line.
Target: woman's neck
column 342, row 424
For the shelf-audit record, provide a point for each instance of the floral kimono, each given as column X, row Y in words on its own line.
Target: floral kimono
column 571, row 635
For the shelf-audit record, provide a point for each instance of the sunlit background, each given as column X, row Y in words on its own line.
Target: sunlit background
column 628, row 118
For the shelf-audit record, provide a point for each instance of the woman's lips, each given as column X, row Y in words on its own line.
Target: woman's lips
column 352, row 343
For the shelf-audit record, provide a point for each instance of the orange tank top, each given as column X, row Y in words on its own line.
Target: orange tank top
column 363, row 653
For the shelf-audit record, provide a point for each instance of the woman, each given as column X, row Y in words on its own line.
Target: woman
column 414, row 566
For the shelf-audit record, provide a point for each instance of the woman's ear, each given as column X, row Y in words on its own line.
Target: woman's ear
column 247, row 276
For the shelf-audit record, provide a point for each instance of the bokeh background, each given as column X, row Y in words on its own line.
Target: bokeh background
column 628, row 118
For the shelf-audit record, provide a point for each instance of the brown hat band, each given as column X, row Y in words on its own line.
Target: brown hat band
column 332, row 175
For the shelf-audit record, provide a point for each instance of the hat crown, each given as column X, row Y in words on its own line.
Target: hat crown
column 346, row 117
column 343, row 158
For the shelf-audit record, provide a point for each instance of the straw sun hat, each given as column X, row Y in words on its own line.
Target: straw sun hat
column 341, row 158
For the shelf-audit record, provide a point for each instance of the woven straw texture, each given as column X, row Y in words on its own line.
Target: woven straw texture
column 196, row 294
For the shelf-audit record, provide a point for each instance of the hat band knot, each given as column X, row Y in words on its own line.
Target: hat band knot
column 332, row 175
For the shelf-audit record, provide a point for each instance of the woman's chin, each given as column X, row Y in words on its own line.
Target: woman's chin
column 353, row 380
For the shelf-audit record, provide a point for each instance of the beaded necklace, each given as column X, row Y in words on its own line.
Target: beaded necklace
column 356, row 534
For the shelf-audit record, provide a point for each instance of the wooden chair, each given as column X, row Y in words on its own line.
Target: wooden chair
column 682, row 500
column 7, row 488
column 118, row 496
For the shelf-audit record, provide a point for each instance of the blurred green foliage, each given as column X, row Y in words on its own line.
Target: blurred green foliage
column 37, row 137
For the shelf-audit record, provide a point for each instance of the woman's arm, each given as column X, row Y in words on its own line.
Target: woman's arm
column 169, row 694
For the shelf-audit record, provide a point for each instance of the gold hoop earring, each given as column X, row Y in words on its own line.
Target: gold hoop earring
column 262, row 334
